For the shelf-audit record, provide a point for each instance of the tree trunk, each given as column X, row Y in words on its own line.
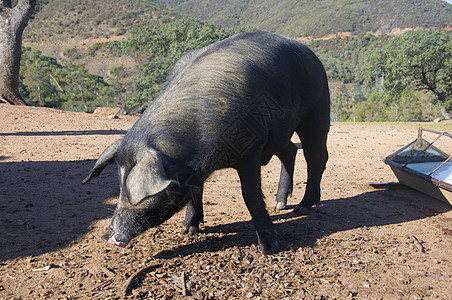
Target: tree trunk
column 447, row 115
column 440, row 98
column 12, row 24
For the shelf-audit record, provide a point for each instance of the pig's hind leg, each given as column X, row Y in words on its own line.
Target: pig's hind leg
column 313, row 134
column 285, row 186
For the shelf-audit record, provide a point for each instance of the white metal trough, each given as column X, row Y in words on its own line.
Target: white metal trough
column 423, row 167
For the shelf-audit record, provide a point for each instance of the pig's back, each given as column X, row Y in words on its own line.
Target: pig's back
column 215, row 88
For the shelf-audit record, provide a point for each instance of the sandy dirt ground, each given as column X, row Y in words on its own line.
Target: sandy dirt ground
column 360, row 243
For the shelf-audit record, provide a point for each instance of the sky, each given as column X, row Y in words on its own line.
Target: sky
column 448, row 1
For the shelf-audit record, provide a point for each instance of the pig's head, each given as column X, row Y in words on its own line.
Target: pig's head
column 147, row 197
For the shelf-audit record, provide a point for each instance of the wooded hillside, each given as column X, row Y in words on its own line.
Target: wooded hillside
column 319, row 18
column 130, row 45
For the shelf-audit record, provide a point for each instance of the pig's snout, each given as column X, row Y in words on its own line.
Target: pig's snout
column 112, row 240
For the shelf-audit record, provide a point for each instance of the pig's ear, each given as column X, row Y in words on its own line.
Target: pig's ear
column 148, row 177
column 107, row 157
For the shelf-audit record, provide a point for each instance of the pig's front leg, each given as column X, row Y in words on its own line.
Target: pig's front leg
column 194, row 213
column 192, row 188
column 250, row 177
column 285, row 187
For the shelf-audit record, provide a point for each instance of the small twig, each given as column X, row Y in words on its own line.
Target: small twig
column 103, row 285
column 56, row 83
column 418, row 244
column 46, row 268
column 129, row 283
column 157, row 231
column 183, row 285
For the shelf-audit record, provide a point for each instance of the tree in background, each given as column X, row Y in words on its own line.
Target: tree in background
column 165, row 43
column 418, row 61
column 12, row 24
column 45, row 82
column 344, row 98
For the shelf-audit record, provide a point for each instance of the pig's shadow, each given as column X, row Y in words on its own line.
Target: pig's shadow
column 44, row 206
column 374, row 208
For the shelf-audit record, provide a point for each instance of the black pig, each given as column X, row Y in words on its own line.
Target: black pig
column 234, row 103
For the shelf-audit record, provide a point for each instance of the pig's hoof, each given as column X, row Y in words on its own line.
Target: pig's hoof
column 271, row 247
column 280, row 205
column 268, row 242
column 301, row 211
column 190, row 230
